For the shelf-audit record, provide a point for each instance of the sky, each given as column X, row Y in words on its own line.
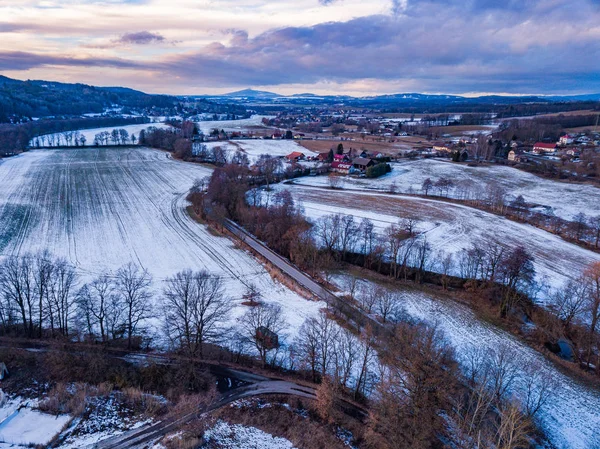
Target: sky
column 355, row 47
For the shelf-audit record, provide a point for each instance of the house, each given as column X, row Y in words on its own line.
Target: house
column 341, row 167
column 324, row 156
column 267, row 338
column 3, row 371
column 565, row 140
column 541, row 147
column 295, row 156
column 362, row 163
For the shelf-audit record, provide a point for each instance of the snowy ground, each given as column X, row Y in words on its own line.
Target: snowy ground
column 255, row 147
column 564, row 199
column 90, row 134
column 237, row 436
column 451, row 227
column 572, row 416
column 21, row 426
column 232, row 125
column 101, row 208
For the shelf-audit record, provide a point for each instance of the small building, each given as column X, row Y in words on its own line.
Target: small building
column 565, row 140
column 362, row 163
column 295, row 156
column 341, row 167
column 267, row 338
column 541, row 147
column 324, row 156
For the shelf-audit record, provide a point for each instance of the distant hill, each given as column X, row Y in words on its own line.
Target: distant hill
column 37, row 98
column 251, row 93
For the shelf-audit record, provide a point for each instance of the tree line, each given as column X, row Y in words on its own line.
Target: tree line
column 17, row 138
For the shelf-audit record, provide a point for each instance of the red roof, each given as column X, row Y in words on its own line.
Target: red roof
column 545, row 145
column 295, row 155
column 341, row 165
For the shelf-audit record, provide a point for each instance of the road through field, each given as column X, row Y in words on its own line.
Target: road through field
column 102, row 208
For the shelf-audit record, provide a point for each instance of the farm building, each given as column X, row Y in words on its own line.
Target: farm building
column 295, row 156
column 341, row 167
column 325, row 156
column 362, row 163
column 541, row 147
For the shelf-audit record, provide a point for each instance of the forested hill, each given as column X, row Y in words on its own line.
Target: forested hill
column 27, row 99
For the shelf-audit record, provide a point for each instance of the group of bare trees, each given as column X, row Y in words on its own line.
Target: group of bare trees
column 66, row 138
column 39, row 297
column 503, row 398
column 116, row 137
column 36, row 293
column 323, row 348
column 114, row 305
column 195, row 308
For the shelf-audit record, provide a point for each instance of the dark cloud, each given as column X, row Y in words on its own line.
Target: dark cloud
column 453, row 46
column 141, row 38
column 475, row 46
column 19, row 60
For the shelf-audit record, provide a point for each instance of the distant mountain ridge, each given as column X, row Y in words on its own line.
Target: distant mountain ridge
column 412, row 97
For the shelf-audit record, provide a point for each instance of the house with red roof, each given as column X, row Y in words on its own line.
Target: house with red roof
column 295, row 156
column 541, row 147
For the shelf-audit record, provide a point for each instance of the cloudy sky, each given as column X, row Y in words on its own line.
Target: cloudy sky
column 290, row 46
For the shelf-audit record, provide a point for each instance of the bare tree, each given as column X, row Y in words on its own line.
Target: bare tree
column 60, row 295
column 132, row 286
column 538, row 388
column 503, row 370
column 195, row 308
column 261, row 325
column 17, row 285
column 387, row 304
column 94, row 300
column 268, row 166
column 368, row 296
column 513, row 429
column 569, row 302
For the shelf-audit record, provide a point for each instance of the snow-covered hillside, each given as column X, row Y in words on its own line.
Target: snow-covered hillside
column 564, row 199
column 451, row 227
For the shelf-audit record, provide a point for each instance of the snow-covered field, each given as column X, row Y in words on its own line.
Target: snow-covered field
column 90, row 134
column 102, row 208
column 21, row 426
column 255, row 147
column 232, row 125
column 451, row 227
column 564, row 199
column 571, row 418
